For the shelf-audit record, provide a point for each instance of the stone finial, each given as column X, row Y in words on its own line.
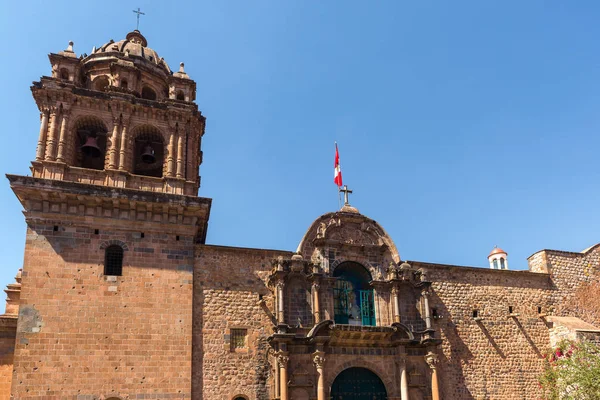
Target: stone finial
column 68, row 52
column 13, row 295
column 181, row 65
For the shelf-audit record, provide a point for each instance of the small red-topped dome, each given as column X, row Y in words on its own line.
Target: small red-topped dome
column 497, row 250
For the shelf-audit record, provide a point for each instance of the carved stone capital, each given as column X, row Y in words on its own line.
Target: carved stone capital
column 319, row 359
column 432, row 360
column 282, row 359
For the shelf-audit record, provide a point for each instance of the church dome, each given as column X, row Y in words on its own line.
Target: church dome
column 134, row 45
column 497, row 250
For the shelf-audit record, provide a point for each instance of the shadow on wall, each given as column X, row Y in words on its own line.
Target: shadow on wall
column 461, row 355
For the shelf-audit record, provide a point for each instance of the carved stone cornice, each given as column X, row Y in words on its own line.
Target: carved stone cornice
column 75, row 203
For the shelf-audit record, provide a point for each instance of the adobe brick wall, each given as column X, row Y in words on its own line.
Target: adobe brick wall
column 80, row 336
column 499, row 357
column 227, row 284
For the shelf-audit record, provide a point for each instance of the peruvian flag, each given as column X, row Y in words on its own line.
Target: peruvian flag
column 337, row 174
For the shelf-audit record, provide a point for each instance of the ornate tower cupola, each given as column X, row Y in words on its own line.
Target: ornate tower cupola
column 498, row 259
column 119, row 118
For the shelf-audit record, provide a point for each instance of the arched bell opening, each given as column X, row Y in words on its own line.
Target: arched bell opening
column 148, row 156
column 357, row 384
column 90, row 143
column 353, row 295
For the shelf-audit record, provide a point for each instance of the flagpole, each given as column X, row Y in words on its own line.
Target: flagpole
column 338, row 188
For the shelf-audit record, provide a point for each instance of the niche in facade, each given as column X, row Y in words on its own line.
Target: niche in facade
column 353, row 295
column 148, row 156
column 148, row 93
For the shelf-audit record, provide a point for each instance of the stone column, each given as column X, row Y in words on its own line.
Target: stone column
column 427, row 310
column 180, row 154
column 50, row 143
column 432, row 361
column 124, row 148
column 171, row 152
column 396, row 304
column 62, row 139
column 403, row 380
column 114, row 143
column 280, row 314
column 277, row 380
column 282, row 360
column 319, row 360
column 316, row 311
column 41, row 147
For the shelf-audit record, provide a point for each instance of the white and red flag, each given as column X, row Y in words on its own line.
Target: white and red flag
column 337, row 177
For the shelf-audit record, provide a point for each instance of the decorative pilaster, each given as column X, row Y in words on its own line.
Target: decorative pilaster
column 280, row 314
column 316, row 310
column 51, row 142
column 180, row 154
column 432, row 360
column 171, row 152
column 396, row 304
column 41, row 147
column 319, row 360
column 124, row 148
column 403, row 380
column 282, row 361
column 114, row 143
column 62, row 139
column 425, row 294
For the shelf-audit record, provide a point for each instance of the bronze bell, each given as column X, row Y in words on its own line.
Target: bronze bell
column 90, row 148
column 148, row 155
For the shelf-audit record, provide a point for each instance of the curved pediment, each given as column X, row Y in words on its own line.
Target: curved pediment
column 341, row 229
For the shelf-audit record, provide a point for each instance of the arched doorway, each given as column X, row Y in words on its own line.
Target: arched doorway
column 358, row 384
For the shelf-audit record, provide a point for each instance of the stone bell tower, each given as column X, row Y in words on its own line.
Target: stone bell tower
column 112, row 218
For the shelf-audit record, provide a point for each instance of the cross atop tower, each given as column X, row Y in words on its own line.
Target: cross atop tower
column 346, row 192
column 138, row 12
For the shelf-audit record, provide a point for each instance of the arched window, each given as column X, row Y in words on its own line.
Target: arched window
column 180, row 95
column 113, row 260
column 502, row 264
column 101, row 83
column 353, row 296
column 148, row 93
column 124, row 83
column 240, row 398
column 495, row 264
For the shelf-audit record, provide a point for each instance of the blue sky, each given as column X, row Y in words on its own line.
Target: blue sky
column 461, row 125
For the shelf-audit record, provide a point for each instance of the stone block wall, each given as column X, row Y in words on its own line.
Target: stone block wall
column 500, row 355
column 230, row 292
column 8, row 328
column 82, row 335
column 569, row 270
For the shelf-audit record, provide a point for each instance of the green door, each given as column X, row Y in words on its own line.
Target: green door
column 367, row 307
column 358, row 384
column 341, row 306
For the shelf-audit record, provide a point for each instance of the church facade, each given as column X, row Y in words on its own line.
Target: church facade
column 120, row 298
